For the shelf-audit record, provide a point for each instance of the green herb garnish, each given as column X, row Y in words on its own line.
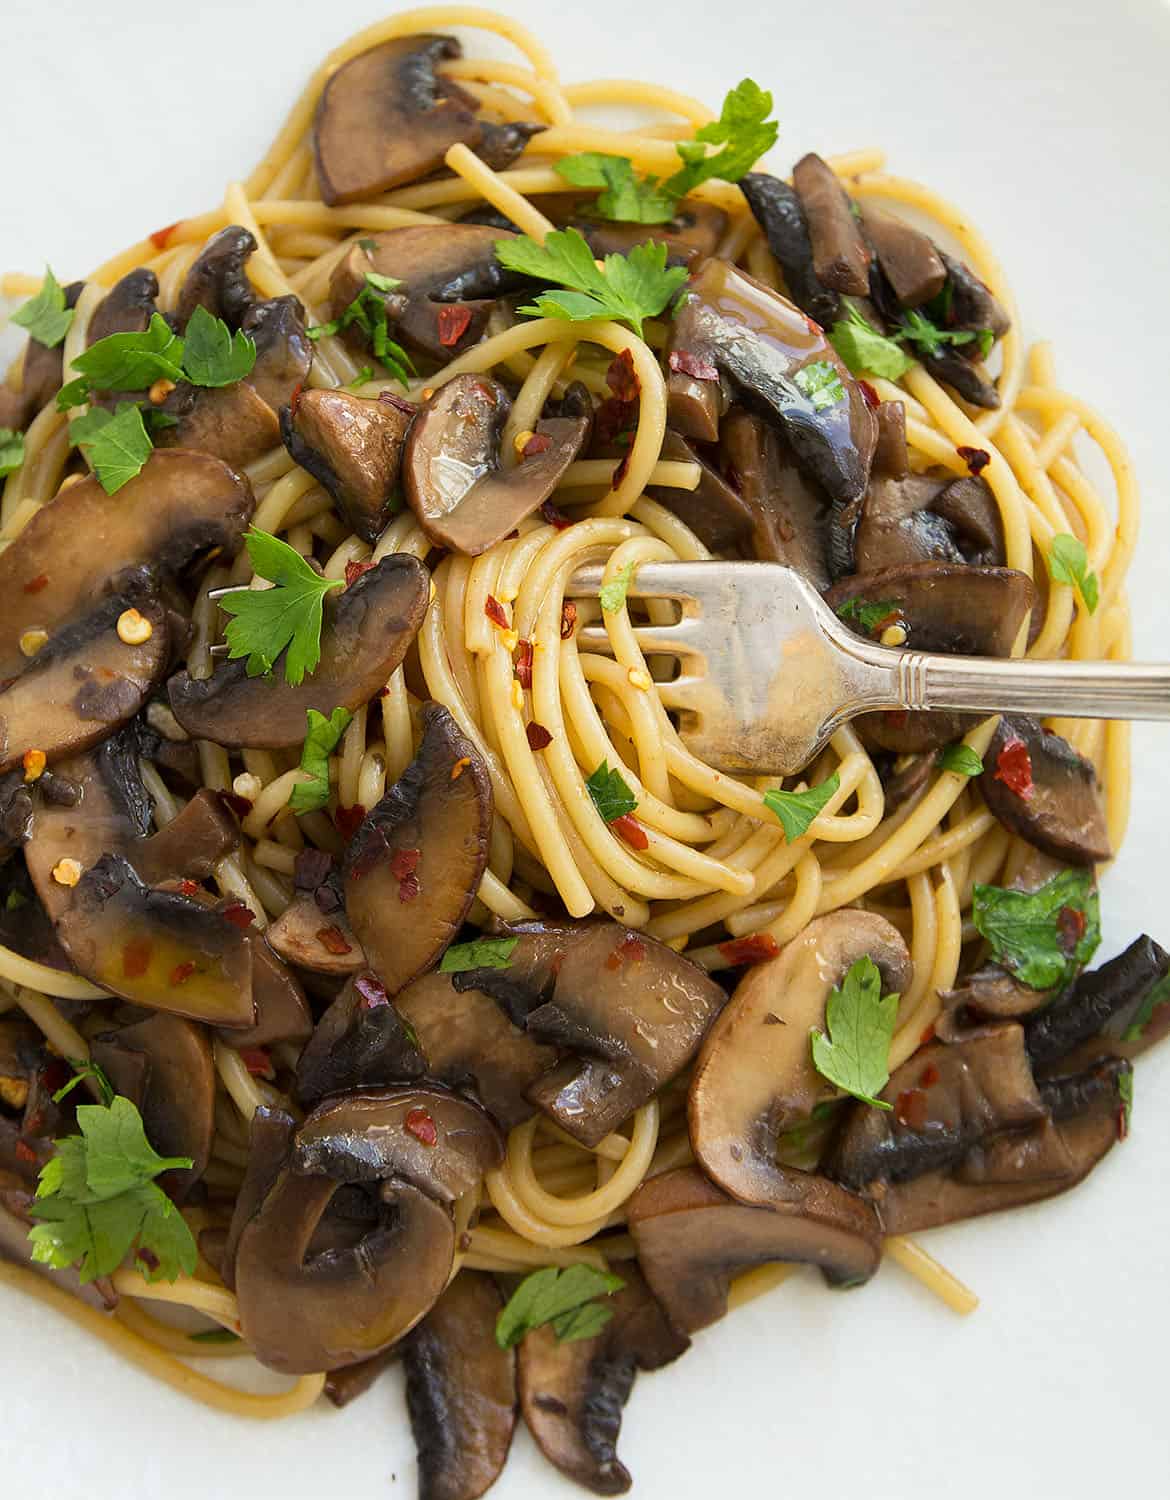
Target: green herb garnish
column 1068, row 562
column 481, row 953
column 83, row 1069
column 117, row 444
column 626, row 198
column 864, row 350
column 367, row 311
column 566, row 1299
column 1158, row 995
column 11, row 451
column 797, row 810
column 268, row 621
column 320, row 742
column 212, row 354
column 1043, row 937
column 821, row 383
column 45, row 316
column 1125, row 1094
column 866, row 614
column 611, row 795
column 129, row 361
column 961, row 759
column 613, row 594
column 855, row 1055
column 742, row 129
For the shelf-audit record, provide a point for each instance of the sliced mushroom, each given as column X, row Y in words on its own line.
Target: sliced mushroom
column 970, row 507
column 947, row 607
column 229, row 422
column 778, row 212
column 908, row 257
column 86, row 542
column 840, row 254
column 572, row 1394
column 529, row 976
column 314, row 933
column 361, row 1042
column 690, row 237
column 464, row 498
column 450, row 280
column 1056, row 805
column 500, row 144
column 412, row 869
column 972, row 304
column 127, row 307
column 386, row 118
column 1109, row 1003
column 718, row 515
column 270, row 1140
column 692, row 1239
column 176, row 1094
column 791, row 520
column 284, row 351
column 190, row 845
column 84, row 683
column 353, row 446
column 460, row 1391
column 217, row 280
column 924, row 518
column 989, row 993
column 761, row 343
column 891, row 457
column 470, row 1044
column 754, row 1077
column 347, row 1384
column 368, row 629
column 282, row 1011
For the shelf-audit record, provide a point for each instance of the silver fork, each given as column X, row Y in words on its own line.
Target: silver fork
column 769, row 672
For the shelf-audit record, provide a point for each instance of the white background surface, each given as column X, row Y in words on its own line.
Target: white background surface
column 1049, row 124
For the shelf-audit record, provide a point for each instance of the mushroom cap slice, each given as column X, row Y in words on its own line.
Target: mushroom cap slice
column 840, row 254
column 572, row 1394
column 452, row 475
column 412, row 869
column 460, row 1391
column 159, row 949
column 1061, row 812
column 791, row 520
column 353, row 446
column 269, row 1143
column 127, row 307
column 778, row 211
column 715, row 511
column 217, row 280
column 361, row 1042
column 927, row 518
column 1105, row 1004
column 284, row 351
column 908, row 257
column 315, row 939
column 386, row 118
column 82, row 544
column 85, row 683
column 229, row 422
column 755, row 1077
column 693, row 1239
column 989, row 993
column 368, row 629
column 282, row 1010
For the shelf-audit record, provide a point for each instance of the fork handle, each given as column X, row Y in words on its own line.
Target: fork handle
column 1073, row 689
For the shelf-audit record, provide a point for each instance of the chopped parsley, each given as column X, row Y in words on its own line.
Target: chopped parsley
column 320, row 742
column 611, row 795
column 45, row 316
column 625, row 198
column 613, row 594
column 209, row 354
column 481, row 953
column 1125, row 1094
column 864, row 349
column 820, row 382
column 860, row 1019
column 288, row 617
column 1043, row 937
column 1068, row 562
column 367, row 312
column 11, row 451
column 566, row 1299
column 797, row 810
column 212, row 354
column 83, row 1069
column 116, row 444
column 961, row 759
column 866, row 614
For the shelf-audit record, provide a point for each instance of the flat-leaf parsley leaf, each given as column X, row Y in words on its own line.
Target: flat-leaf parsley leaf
column 268, row 621
column 563, row 1298
column 855, row 1054
column 796, row 810
column 320, row 742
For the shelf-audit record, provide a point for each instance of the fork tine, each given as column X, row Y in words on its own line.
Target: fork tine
column 653, row 640
column 220, row 650
column 235, row 588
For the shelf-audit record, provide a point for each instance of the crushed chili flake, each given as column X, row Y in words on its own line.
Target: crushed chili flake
column 354, row 570
column 630, row 950
column 136, row 958
column 332, row 939
column 930, row 1076
column 408, row 888
column 554, row 516
column 622, row 378
column 460, row 766
column 684, row 363
column 295, row 399
column 524, row 664
column 538, row 736
column 181, row 973
column 257, row 1062
column 538, row 443
column 422, row 1127
column 976, row 459
column 911, row 1110
column 568, row 619
column 628, row 828
column 239, row 915
column 404, row 862
column 1071, row 922
column 869, row 395
column 927, row 1036
column 349, row 819
column 35, row 585
column 754, row 949
column 1013, row 766
column 161, row 238
column 188, row 887
column 371, row 991
column 454, row 321
column 495, row 612
column 24, row 1152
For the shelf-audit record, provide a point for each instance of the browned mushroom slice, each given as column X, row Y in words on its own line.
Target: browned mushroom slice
column 231, row 423
column 176, row 1093
column 777, row 209
column 899, row 527
column 840, row 254
column 452, row 475
column 284, row 351
column 191, row 844
column 351, row 1381
column 1040, row 788
column 969, row 505
column 717, row 514
column 693, row 1239
column 361, row 1042
column 791, row 520
column 368, row 629
column 1121, row 1008
column 127, row 307
column 754, row 1077
column 460, row 1391
column 159, row 949
column 469, row 1043
column 690, row 237
column 763, row 344
column 217, row 280
column 353, row 446
column 891, row 457
column 907, row 256
column 972, row 304
column 80, row 547
column 500, row 144
column 386, row 118
column 84, row 683
column 412, row 869
column 450, row 280
column 269, row 1144
column 307, row 935
column 282, row 1010
column 572, row 1394
column 989, row 993
column 947, row 607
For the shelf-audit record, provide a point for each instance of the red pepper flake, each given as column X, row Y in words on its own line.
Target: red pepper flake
column 35, row 585
column 628, row 828
column 620, row 472
column 538, row 736
column 1071, row 922
column 684, row 363
column 295, row 399
column 495, row 612
column 161, row 238
column 404, row 862
column 756, row 948
column 568, row 619
column 181, row 973
column 24, row 1152
column 371, row 991
column 239, row 915
column 188, row 887
column 136, row 958
column 332, row 939
column 354, row 570
column 408, row 888
column 554, row 517
column 622, row 378
column 630, row 950
column 976, row 459
column 869, row 395
column 257, row 1062
column 239, row 805
column 927, row 1036
column 911, row 1110
column 524, row 665
column 1013, row 766
column 454, row 321
column 349, row 819
column 930, row 1076
column 538, row 443
column 422, row 1127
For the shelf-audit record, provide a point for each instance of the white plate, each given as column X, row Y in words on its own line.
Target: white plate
column 1049, row 125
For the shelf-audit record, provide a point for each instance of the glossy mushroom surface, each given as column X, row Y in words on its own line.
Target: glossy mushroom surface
column 353, row 446
column 1056, row 805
